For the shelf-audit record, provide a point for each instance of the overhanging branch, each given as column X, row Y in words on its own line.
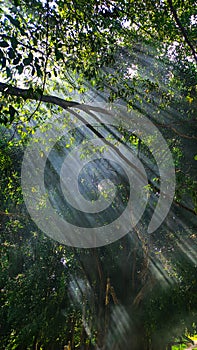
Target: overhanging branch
column 28, row 94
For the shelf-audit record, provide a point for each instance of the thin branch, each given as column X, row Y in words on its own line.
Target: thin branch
column 27, row 46
column 168, row 126
column 181, row 28
column 3, row 213
column 45, row 65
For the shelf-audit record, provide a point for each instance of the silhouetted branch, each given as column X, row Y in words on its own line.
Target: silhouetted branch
column 182, row 29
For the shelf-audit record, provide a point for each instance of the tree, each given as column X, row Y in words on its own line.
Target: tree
column 81, row 38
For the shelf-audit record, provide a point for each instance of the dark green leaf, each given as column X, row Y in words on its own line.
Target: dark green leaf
column 17, row 59
column 16, row 2
column 14, row 21
column 39, row 91
column 11, row 53
column 38, row 70
column 3, row 119
column 14, row 42
column 8, row 72
column 28, row 59
column 4, row 43
column 20, row 68
column 30, row 56
column 3, row 62
column 33, row 71
column 58, row 54
column 12, row 112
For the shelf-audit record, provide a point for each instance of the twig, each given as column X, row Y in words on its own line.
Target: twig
column 181, row 28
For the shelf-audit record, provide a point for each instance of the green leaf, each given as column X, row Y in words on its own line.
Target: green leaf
column 14, row 42
column 27, row 61
column 20, row 68
column 3, row 120
column 17, row 59
column 8, row 72
column 38, row 92
column 3, row 62
column 55, row 72
column 16, row 2
column 33, row 71
column 30, row 56
column 38, row 70
column 195, row 157
column 12, row 112
column 14, row 21
column 11, row 53
column 4, row 43
column 58, row 54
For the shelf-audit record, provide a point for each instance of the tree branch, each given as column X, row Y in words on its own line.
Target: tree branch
column 182, row 29
column 31, row 95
